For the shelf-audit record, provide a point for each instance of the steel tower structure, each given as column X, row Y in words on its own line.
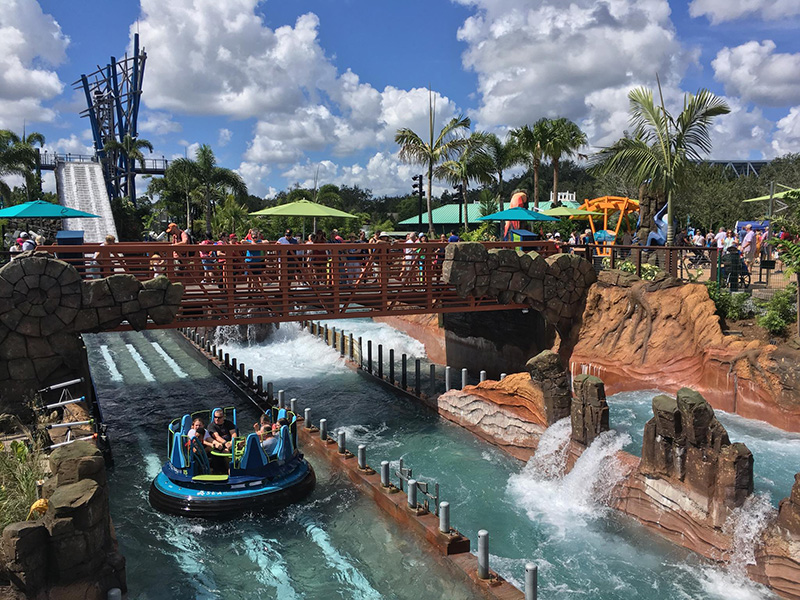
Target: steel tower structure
column 113, row 94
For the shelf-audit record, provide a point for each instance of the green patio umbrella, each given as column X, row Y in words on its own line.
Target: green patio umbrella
column 566, row 211
column 302, row 208
column 39, row 209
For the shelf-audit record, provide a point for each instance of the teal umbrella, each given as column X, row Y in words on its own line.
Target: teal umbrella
column 39, row 209
column 517, row 214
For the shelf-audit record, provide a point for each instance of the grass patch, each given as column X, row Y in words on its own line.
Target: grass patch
column 20, row 468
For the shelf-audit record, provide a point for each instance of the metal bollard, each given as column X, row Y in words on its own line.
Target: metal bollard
column 293, row 405
column 483, row 376
column 391, row 366
column 242, row 367
column 214, row 350
column 307, row 417
column 323, row 429
column 342, row 443
column 483, row 554
column 417, row 377
column 269, row 391
column 234, row 365
column 444, row 517
column 447, row 379
column 350, row 340
column 464, row 378
column 380, row 361
column 341, row 343
column 369, row 357
column 385, row 473
column 412, row 493
column 531, row 581
column 327, row 337
column 114, row 594
column 260, row 385
column 219, row 354
column 360, row 353
column 502, row 376
column 281, row 398
column 403, row 372
column 227, row 360
column 250, row 377
column 362, row 456
column 433, row 380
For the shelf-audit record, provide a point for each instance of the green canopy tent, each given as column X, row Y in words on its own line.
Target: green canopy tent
column 303, row 208
column 567, row 211
column 517, row 214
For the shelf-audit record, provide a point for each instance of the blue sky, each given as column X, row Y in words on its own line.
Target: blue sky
column 283, row 90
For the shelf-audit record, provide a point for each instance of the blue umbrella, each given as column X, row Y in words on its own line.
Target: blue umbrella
column 39, row 209
column 517, row 214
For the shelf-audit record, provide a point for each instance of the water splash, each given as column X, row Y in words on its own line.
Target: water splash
column 550, row 460
column 570, row 500
column 383, row 334
column 746, row 525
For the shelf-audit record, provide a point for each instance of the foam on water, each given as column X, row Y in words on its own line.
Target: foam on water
column 577, row 497
column 382, row 334
column 272, row 568
column 746, row 524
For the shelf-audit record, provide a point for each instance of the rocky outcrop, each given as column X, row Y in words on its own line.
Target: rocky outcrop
column 638, row 335
column 550, row 377
column 588, row 410
column 510, row 413
column 71, row 552
column 45, row 305
column 555, row 286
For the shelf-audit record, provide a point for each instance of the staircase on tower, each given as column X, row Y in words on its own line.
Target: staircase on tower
column 81, row 185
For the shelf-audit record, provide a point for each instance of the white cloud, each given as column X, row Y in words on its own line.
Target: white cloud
column 30, row 42
column 72, row 145
column 253, row 175
column 551, row 59
column 719, row 11
column 159, row 123
column 756, row 73
column 225, row 136
column 787, row 137
column 741, row 132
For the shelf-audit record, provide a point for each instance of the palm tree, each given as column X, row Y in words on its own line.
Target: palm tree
column 662, row 147
column 210, row 178
column 177, row 188
column 446, row 145
column 565, row 140
column 470, row 165
column 530, row 142
column 17, row 157
column 131, row 149
column 498, row 157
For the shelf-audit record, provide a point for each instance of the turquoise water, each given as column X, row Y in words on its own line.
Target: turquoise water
column 776, row 453
column 336, row 543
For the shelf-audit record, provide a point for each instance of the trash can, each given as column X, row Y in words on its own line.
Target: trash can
column 71, row 238
column 522, row 235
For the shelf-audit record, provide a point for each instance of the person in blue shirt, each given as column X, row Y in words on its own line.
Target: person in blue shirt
column 453, row 237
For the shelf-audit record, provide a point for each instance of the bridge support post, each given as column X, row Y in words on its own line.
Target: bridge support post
column 391, row 366
column 404, row 372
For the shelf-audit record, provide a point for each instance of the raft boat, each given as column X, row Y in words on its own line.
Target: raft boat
column 255, row 481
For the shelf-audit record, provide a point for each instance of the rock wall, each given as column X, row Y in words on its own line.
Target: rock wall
column 71, row 552
column 638, row 335
column 45, row 306
column 588, row 409
column 555, row 286
column 550, row 377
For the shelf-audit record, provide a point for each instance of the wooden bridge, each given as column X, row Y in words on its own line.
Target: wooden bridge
column 270, row 283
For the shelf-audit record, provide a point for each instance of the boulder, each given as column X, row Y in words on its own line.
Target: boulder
column 696, row 416
column 589, row 410
column 547, row 372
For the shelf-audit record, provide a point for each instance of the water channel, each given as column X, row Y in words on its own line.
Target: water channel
column 336, row 543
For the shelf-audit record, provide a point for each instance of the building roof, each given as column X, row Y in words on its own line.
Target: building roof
column 445, row 215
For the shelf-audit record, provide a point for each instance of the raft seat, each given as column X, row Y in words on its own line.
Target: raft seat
column 210, row 478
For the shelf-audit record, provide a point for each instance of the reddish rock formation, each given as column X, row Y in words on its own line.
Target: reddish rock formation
column 550, row 377
column 639, row 335
column 589, row 409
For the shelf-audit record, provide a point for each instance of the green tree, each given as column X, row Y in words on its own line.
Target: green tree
column 211, row 179
column 131, row 148
column 445, row 146
column 530, row 141
column 565, row 139
column 18, row 157
column 498, row 157
column 469, row 166
column 663, row 146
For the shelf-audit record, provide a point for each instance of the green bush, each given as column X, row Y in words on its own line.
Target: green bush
column 20, row 469
column 779, row 311
column 729, row 306
column 772, row 322
column 649, row 272
column 737, row 310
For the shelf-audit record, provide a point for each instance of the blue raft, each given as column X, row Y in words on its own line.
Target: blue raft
column 254, row 482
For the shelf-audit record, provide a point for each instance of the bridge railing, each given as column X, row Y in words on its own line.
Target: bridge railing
column 251, row 283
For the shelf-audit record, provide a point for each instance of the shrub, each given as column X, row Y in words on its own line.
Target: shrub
column 772, row 322
column 735, row 306
column 649, row 272
column 779, row 311
column 20, row 469
column 738, row 308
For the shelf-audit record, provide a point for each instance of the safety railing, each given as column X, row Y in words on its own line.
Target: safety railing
column 250, row 283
